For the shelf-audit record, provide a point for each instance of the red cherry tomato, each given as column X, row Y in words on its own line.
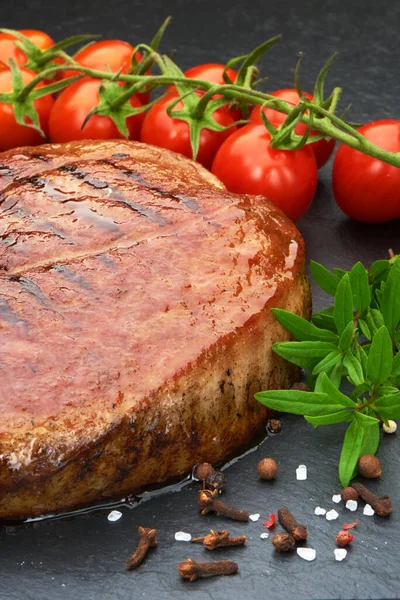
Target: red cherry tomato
column 112, row 55
column 322, row 149
column 12, row 134
column 71, row 108
column 213, row 72
column 162, row 130
column 8, row 49
column 366, row 188
column 247, row 164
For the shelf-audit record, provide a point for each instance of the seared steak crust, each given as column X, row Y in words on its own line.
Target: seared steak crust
column 135, row 323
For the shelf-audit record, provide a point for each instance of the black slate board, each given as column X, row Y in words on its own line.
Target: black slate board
column 82, row 557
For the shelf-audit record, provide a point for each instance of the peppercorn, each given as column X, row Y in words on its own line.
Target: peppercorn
column 267, row 468
column 274, row 425
column 349, row 493
column 216, row 480
column 369, row 466
column 202, row 471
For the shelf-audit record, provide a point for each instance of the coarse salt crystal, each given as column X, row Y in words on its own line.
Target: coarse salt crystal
column 307, row 553
column 114, row 515
column 320, row 511
column 368, row 510
column 340, row 553
column 351, row 505
column 254, row 517
column 332, row 515
column 182, row 536
column 301, row 473
column 264, row 536
column 336, row 498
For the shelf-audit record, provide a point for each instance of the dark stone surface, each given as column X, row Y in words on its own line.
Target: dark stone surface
column 82, row 557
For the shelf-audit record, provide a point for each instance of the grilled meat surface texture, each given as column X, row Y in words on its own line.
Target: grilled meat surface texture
column 135, row 322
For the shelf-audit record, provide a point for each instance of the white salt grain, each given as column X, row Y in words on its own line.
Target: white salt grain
column 336, row 498
column 340, row 553
column 114, row 515
column 307, row 553
column 254, row 517
column 182, row 536
column 301, row 473
column 332, row 515
column 320, row 511
column 264, row 536
column 351, row 505
column 368, row 510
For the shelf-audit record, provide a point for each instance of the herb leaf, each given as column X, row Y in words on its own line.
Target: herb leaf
column 327, row 363
column 380, row 357
column 390, row 305
column 360, row 287
column 388, row 407
column 343, row 308
column 298, row 403
column 304, row 354
column 371, row 439
column 301, row 329
column 354, row 369
column 352, row 445
column 334, row 394
column 346, row 337
column 324, row 278
column 374, row 320
column 338, row 417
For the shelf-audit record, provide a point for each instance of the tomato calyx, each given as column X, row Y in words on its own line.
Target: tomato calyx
column 114, row 102
column 22, row 97
column 38, row 59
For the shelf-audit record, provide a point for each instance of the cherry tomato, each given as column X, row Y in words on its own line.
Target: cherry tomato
column 162, row 130
column 8, row 49
column 112, row 55
column 71, row 108
column 366, row 188
column 12, row 134
column 322, row 149
column 247, row 164
column 213, row 72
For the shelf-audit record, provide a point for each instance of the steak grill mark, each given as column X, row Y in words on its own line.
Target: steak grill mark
column 115, row 195
column 189, row 202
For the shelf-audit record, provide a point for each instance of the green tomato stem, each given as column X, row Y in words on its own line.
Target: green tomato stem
column 326, row 124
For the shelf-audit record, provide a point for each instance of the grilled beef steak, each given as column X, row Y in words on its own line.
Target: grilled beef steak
column 135, row 322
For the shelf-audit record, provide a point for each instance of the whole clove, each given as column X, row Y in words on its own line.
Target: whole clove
column 220, row 539
column 148, row 539
column 209, row 502
column 283, row 542
column 288, row 522
column 192, row 570
column 381, row 504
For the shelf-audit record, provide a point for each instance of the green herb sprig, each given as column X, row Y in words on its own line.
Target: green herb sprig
column 356, row 341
